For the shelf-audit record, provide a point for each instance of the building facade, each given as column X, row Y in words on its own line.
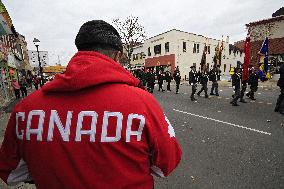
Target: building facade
column 273, row 29
column 178, row 48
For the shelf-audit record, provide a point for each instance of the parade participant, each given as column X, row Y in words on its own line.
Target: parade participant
column 213, row 77
column 177, row 78
column 92, row 127
column 204, row 77
column 243, row 90
column 161, row 80
column 16, row 88
column 192, row 78
column 253, row 82
column 168, row 78
column 151, row 81
column 280, row 101
column 23, row 86
column 236, row 84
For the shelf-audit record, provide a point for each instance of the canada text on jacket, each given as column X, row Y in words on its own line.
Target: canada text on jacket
column 54, row 120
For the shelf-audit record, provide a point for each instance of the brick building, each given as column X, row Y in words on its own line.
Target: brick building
column 273, row 28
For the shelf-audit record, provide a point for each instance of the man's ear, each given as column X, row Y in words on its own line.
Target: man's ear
column 117, row 56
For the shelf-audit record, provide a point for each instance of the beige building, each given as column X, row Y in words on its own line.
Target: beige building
column 178, row 48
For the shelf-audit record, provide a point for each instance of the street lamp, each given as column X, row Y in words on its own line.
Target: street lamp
column 36, row 43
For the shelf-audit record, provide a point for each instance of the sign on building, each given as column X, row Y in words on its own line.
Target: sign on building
column 33, row 58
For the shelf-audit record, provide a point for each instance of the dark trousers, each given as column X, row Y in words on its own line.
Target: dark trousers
column 244, row 88
column 17, row 93
column 24, row 91
column 280, row 101
column 194, row 89
column 204, row 88
column 150, row 87
column 36, row 86
column 160, row 85
column 177, row 86
column 250, row 94
column 236, row 96
column 214, row 87
column 169, row 86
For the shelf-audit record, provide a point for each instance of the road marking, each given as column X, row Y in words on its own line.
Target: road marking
column 269, row 103
column 219, row 97
column 260, row 102
column 227, row 98
column 259, row 93
column 219, row 111
column 185, row 93
column 224, row 122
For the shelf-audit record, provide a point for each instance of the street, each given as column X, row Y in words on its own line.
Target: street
column 223, row 146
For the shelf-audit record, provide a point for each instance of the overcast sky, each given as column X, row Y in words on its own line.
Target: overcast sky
column 56, row 22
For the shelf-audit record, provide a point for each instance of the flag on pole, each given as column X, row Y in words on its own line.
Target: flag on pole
column 263, row 71
column 246, row 64
column 203, row 58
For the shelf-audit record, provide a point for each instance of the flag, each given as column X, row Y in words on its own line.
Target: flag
column 203, row 58
column 263, row 71
column 245, row 74
column 216, row 55
column 6, row 26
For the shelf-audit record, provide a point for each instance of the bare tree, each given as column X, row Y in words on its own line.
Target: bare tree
column 132, row 34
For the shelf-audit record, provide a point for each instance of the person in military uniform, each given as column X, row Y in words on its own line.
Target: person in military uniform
column 168, row 78
column 214, row 78
column 177, row 78
column 280, row 101
column 150, row 80
column 161, row 80
column 193, row 81
column 243, row 90
column 236, row 84
column 204, row 77
column 253, row 82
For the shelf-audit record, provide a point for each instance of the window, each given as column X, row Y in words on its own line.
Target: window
column 142, row 55
column 167, row 47
column 225, row 67
column 194, row 48
column 184, row 46
column 208, row 49
column 149, row 51
column 197, row 48
column 157, row 49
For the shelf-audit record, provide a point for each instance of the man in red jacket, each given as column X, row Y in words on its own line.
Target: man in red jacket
column 91, row 127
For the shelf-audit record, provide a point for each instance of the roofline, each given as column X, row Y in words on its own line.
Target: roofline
column 265, row 21
column 183, row 32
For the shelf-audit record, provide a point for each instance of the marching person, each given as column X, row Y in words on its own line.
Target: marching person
column 243, row 90
column 214, row 78
column 161, row 80
column 192, row 78
column 168, row 77
column 114, row 135
column 253, row 82
column 204, row 77
column 177, row 78
column 236, row 84
column 280, row 101
column 151, row 81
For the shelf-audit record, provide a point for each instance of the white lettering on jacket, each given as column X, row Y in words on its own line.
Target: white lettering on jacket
column 37, row 118
column 92, row 131
column 39, row 129
column 138, row 133
column 18, row 115
column 55, row 120
column 104, row 137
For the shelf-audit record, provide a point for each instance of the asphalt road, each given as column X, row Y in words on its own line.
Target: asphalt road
column 223, row 146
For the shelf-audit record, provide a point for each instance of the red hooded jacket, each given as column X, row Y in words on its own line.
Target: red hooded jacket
column 91, row 127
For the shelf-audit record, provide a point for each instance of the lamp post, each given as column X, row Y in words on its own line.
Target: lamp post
column 36, row 43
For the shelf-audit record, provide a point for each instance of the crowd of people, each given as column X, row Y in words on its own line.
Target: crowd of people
column 205, row 75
